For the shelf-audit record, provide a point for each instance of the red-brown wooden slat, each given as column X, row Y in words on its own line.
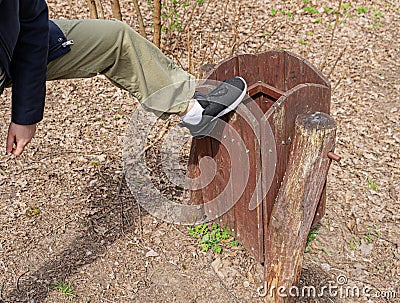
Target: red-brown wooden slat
column 265, row 89
column 299, row 70
column 271, row 68
column 225, row 70
column 221, row 185
column 248, row 68
column 201, row 147
column 248, row 222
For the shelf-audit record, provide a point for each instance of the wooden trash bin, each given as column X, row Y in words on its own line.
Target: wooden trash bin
column 282, row 86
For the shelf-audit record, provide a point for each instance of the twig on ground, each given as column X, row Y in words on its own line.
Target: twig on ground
column 140, row 219
column 121, row 204
column 230, row 294
column 1, row 292
column 17, row 282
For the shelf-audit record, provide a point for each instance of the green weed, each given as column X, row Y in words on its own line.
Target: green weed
column 287, row 13
column 354, row 243
column 372, row 185
column 32, row 212
column 362, row 10
column 311, row 237
column 368, row 239
column 345, row 6
column 213, row 238
column 303, row 42
column 311, row 10
column 65, row 289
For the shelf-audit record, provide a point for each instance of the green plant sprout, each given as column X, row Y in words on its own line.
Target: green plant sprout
column 372, row 185
column 345, row 6
column 311, row 10
column 65, row 289
column 212, row 238
column 368, row 239
column 287, row 13
column 362, row 10
column 303, row 42
column 311, row 237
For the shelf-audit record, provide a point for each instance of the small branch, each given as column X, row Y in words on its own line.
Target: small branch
column 323, row 65
column 236, row 30
column 17, row 282
column 160, row 136
column 337, row 84
column 230, row 294
column 1, row 292
column 222, row 27
column 189, row 48
column 100, row 9
column 92, row 9
column 157, row 23
column 142, row 29
column 278, row 28
column 121, row 204
column 336, row 62
column 116, row 9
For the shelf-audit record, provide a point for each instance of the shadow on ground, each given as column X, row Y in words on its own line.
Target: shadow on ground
column 103, row 228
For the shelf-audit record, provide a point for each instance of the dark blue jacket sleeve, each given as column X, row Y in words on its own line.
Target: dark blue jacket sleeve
column 29, row 63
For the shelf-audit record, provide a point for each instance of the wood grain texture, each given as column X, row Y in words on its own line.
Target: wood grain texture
column 279, row 85
column 297, row 201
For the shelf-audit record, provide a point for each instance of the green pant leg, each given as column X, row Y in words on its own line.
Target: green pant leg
column 114, row 49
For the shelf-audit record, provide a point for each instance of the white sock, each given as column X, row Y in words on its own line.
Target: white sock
column 194, row 115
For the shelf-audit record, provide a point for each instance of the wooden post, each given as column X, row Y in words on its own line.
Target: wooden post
column 296, row 203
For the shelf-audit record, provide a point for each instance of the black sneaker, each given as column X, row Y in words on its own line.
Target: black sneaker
column 220, row 101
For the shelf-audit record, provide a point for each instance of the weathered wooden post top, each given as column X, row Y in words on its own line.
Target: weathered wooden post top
column 278, row 183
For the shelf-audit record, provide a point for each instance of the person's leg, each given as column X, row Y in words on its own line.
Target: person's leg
column 127, row 59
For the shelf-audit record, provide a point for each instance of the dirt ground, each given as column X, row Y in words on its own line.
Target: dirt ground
column 66, row 214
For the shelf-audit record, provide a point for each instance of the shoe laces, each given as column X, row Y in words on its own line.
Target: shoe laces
column 218, row 92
